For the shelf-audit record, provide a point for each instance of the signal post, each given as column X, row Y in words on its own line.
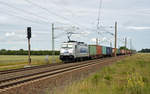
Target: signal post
column 29, row 45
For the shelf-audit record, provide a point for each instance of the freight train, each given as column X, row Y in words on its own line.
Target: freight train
column 79, row 51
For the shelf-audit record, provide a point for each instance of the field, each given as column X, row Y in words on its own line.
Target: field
column 129, row 76
column 13, row 62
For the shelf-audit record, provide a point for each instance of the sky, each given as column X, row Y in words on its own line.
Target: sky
column 77, row 16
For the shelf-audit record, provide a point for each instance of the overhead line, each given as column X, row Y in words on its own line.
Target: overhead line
column 99, row 13
column 53, row 13
column 19, row 9
column 22, row 18
column 64, row 8
column 30, row 2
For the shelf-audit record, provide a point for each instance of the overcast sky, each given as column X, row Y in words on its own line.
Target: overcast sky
column 16, row 15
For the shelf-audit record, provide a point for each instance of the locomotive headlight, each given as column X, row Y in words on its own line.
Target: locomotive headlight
column 66, row 51
column 62, row 51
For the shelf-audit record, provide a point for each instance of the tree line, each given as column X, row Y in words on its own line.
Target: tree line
column 145, row 50
column 123, row 48
column 25, row 52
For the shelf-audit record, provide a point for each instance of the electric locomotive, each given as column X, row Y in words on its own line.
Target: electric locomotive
column 74, row 51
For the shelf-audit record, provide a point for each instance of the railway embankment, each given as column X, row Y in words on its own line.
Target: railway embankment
column 128, row 76
column 45, row 81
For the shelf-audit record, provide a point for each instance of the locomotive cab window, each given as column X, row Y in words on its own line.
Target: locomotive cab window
column 64, row 46
column 70, row 46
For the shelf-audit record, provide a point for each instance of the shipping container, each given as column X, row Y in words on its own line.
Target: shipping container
column 99, row 50
column 122, row 51
column 125, row 51
column 92, row 50
column 108, row 50
column 113, row 50
column 118, row 51
column 103, row 50
column 128, row 52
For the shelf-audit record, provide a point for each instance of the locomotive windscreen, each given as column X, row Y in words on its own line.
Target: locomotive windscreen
column 67, row 46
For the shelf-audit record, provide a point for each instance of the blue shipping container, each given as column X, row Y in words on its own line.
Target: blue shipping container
column 108, row 50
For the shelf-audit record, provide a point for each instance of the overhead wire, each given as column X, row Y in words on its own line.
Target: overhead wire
column 22, row 10
column 99, row 13
column 62, row 7
column 86, row 28
column 41, row 7
column 99, row 24
column 53, row 13
column 22, row 18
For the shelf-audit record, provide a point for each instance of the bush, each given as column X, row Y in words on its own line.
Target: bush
column 25, row 52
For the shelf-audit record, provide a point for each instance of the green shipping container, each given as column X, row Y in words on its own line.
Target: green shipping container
column 92, row 49
column 103, row 50
column 118, row 51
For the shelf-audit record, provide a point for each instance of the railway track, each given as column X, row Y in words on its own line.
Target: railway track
column 10, row 80
column 28, row 68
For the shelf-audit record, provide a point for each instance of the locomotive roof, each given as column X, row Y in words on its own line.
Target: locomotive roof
column 74, row 42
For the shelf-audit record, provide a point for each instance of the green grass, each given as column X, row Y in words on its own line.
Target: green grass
column 13, row 62
column 129, row 76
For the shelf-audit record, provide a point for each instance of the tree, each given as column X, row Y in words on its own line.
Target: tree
column 123, row 48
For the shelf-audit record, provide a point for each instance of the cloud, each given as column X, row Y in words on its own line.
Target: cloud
column 144, row 11
column 138, row 28
column 9, row 34
column 81, row 13
column 103, row 39
column 93, row 39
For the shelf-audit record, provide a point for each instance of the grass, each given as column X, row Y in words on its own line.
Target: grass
column 13, row 62
column 129, row 76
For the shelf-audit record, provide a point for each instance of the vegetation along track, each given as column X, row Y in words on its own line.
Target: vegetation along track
column 11, row 79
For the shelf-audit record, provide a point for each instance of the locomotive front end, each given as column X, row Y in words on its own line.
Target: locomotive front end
column 67, row 52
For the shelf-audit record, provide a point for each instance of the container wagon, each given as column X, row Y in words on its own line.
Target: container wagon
column 99, row 51
column 78, row 51
column 92, row 51
column 95, row 51
column 108, row 51
column 122, row 52
column 104, row 53
column 118, row 51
